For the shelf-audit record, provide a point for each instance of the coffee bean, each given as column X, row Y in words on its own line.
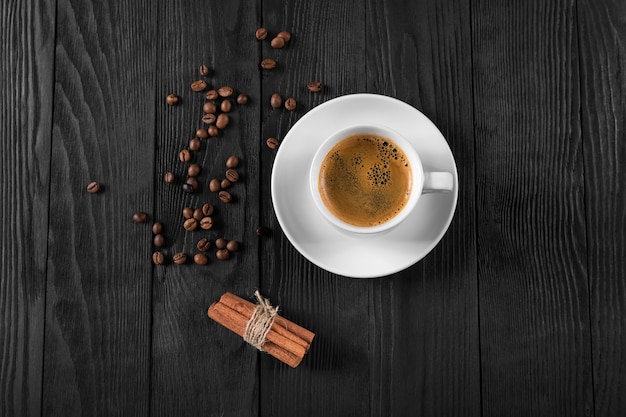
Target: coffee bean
column 225, row 197
column 193, row 170
column 93, row 187
column 222, row 121
column 202, row 133
column 276, row 100
column 212, row 95
column 190, row 224
column 193, row 182
column 184, row 155
column 194, row 144
column 232, row 246
column 268, row 64
column 158, row 258
column 261, row 34
column 263, row 231
column 290, row 104
column 140, row 217
column 206, row 223
column 187, row 212
column 171, row 99
column 208, row 209
column 221, row 243
column 204, row 70
column 232, row 175
column 285, row 35
column 214, row 185
column 169, row 177
column 198, row 86
column 157, row 228
column 203, row 244
column 179, row 258
column 158, row 240
column 277, row 43
column 232, row 162
column 222, row 254
column 213, row 131
column 209, row 107
column 242, row 99
column 226, row 106
column 225, row 184
column 209, row 119
column 200, row 259
column 198, row 214
column 225, row 91
column 315, row 86
column 188, row 188
column 272, row 143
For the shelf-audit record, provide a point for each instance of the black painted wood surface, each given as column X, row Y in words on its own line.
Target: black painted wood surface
column 518, row 310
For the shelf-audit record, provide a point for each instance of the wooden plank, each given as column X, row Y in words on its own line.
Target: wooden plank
column 533, row 294
column 602, row 36
column 98, row 309
column 424, row 354
column 26, row 80
column 199, row 367
column 327, row 45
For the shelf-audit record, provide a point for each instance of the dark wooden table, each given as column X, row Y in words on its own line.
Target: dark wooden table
column 519, row 311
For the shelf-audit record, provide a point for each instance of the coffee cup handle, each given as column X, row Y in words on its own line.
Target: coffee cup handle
column 435, row 182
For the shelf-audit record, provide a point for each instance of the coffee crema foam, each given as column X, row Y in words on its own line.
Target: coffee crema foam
column 365, row 180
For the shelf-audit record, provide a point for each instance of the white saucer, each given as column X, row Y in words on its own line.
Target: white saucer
column 325, row 245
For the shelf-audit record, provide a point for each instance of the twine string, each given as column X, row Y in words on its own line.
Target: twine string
column 260, row 322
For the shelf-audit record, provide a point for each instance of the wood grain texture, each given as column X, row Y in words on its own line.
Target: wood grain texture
column 26, row 80
column 424, row 351
column 534, row 317
column 97, row 330
column 327, row 45
column 199, row 367
column 602, row 39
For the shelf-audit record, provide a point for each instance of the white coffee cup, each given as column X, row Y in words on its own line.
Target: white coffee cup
column 421, row 182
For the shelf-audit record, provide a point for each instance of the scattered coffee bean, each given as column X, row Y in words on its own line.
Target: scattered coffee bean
column 208, row 209
column 209, row 107
column 171, row 99
column 200, row 259
column 140, row 217
column 232, row 175
column 222, row 254
column 169, row 177
column 261, row 34
column 193, row 170
column 198, row 86
column 203, row 244
column 232, row 162
column 225, row 91
column 277, row 43
column 276, row 100
column 206, row 223
column 226, row 105
column 157, row 228
column 204, row 70
column 158, row 258
column 222, row 121
column 224, row 184
column 232, row 246
column 268, row 64
column 315, row 86
column 242, row 99
column 285, row 35
column 187, row 212
column 184, row 155
column 198, row 214
column 214, row 185
column 225, row 197
column 263, row 231
column 93, row 187
column 221, row 243
column 213, row 131
column 188, row 188
column 272, row 143
column 209, row 119
column 290, row 104
column 190, row 224
column 179, row 258
column 202, row 133
column 193, row 182
column 212, row 95
column 158, row 240
column 194, row 144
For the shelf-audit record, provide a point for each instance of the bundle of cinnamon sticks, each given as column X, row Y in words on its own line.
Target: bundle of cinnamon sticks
column 286, row 341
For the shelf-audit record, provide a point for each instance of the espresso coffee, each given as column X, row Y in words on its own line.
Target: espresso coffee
column 365, row 180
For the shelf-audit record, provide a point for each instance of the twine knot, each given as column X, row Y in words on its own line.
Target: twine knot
column 260, row 322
